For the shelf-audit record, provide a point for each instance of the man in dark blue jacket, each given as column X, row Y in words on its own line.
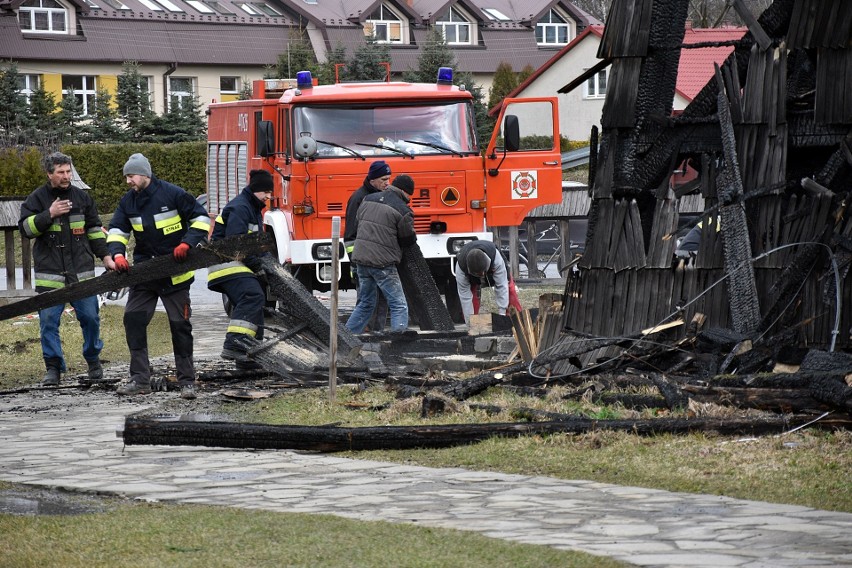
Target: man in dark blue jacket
column 163, row 219
column 237, row 280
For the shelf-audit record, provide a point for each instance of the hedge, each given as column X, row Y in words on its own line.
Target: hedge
column 100, row 167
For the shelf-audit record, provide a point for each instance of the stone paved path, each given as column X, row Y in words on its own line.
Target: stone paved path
column 68, row 439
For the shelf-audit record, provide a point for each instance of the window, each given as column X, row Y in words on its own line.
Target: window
column 116, row 4
column 27, row 84
column 158, row 5
column 84, row 88
column 258, row 9
column 200, row 6
column 384, row 25
column 229, row 85
column 496, row 14
column 219, row 7
column 43, row 16
column 181, row 89
column 596, row 85
column 455, row 26
column 552, row 29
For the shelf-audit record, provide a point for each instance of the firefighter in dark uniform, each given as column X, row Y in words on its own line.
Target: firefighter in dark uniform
column 63, row 222
column 479, row 264
column 237, row 280
column 163, row 219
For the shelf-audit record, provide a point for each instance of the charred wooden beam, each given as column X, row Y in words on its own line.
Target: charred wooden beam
column 301, row 304
column 232, row 248
column 143, row 430
column 425, row 305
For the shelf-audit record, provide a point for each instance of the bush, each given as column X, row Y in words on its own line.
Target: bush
column 100, row 167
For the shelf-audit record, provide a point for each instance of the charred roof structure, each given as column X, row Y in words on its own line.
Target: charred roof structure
column 771, row 139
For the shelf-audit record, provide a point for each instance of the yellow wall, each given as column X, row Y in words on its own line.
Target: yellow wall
column 110, row 83
column 53, row 85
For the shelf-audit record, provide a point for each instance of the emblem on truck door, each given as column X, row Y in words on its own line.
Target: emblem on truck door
column 524, row 185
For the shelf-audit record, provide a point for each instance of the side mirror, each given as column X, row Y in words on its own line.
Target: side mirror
column 511, row 133
column 265, row 139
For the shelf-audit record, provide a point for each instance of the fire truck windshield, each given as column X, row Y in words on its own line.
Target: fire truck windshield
column 410, row 130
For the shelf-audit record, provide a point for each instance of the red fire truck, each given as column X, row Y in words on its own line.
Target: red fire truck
column 319, row 141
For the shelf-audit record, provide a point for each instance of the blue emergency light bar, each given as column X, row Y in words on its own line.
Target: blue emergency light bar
column 304, row 80
column 445, row 76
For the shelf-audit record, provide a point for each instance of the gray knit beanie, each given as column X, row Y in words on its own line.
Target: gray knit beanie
column 137, row 164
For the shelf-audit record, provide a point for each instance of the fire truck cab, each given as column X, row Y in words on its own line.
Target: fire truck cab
column 319, row 141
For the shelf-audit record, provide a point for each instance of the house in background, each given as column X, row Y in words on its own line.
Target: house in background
column 581, row 101
column 212, row 48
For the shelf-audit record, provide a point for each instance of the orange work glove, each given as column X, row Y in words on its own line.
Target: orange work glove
column 120, row 263
column 180, row 252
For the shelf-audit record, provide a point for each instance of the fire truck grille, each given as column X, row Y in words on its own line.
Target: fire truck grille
column 335, row 207
column 421, row 224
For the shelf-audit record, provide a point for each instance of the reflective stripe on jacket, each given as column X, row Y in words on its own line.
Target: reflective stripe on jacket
column 64, row 249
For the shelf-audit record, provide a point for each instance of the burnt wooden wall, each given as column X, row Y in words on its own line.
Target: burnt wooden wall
column 771, row 136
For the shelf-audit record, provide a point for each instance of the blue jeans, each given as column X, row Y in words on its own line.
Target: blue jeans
column 370, row 280
column 87, row 314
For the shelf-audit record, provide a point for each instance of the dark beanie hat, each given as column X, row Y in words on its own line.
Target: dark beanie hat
column 405, row 183
column 260, row 180
column 378, row 169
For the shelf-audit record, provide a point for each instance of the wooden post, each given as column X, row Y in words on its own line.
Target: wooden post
column 565, row 254
column 514, row 261
column 332, row 340
column 9, row 235
column 532, row 250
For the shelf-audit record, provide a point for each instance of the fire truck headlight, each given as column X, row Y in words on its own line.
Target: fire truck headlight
column 455, row 245
column 322, row 251
column 324, row 273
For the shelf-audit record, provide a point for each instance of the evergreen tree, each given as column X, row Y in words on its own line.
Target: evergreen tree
column 182, row 123
column 68, row 119
column 504, row 83
column 525, row 73
column 103, row 125
column 435, row 54
column 13, row 107
column 366, row 62
column 326, row 71
column 247, row 90
column 44, row 124
column 298, row 57
column 133, row 100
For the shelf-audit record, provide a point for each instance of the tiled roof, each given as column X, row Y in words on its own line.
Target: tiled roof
column 696, row 66
column 148, row 41
column 193, row 37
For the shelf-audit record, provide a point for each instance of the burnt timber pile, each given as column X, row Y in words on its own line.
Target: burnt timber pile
column 771, row 139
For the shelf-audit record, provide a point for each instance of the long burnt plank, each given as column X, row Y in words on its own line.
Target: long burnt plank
column 141, row 430
column 161, row 267
column 424, row 299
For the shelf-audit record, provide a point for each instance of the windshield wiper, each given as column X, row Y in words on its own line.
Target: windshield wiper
column 350, row 150
column 391, row 148
column 435, row 146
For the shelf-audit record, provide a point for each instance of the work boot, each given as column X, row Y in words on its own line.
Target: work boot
column 231, row 354
column 51, row 377
column 96, row 370
column 134, row 388
column 187, row 392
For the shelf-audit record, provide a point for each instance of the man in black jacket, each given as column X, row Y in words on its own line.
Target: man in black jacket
column 385, row 227
column 63, row 221
column 164, row 220
column 237, row 280
column 377, row 179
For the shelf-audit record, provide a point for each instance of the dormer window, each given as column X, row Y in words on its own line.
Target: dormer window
column 385, row 25
column 43, row 16
column 455, row 27
column 553, row 29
